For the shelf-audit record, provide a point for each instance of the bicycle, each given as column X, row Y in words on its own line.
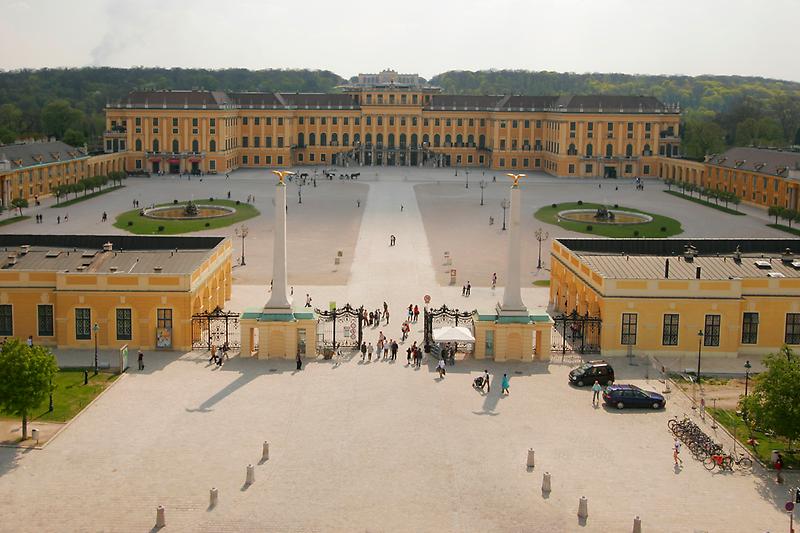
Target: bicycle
column 743, row 461
column 718, row 460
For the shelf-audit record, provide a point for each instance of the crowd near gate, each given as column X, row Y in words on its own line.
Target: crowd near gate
column 339, row 327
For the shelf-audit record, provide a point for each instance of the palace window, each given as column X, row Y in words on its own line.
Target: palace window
column 712, row 329
column 629, row 322
column 6, row 320
column 44, row 320
column 83, row 323
column 280, row 121
column 792, row 328
column 164, row 318
column 669, row 333
column 750, row 328
column 124, row 324
column 459, row 122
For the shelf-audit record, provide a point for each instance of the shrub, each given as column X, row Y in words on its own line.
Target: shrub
column 663, row 228
column 580, row 202
column 636, row 233
column 238, row 202
column 130, row 222
column 211, row 199
column 589, row 227
column 161, row 228
column 616, row 206
column 554, row 205
column 175, row 202
column 208, row 224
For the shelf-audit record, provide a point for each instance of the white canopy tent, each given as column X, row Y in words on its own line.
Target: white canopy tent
column 453, row 334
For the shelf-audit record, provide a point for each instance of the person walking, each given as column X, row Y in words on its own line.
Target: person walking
column 703, row 407
column 363, row 351
column 299, row 361
column 416, row 313
column 370, row 350
column 494, row 280
column 141, row 360
column 596, row 389
column 213, row 358
column 394, row 350
column 308, row 300
column 386, row 316
column 410, row 312
column 441, row 369
column 676, row 450
column 408, row 356
column 778, row 467
column 469, row 288
column 486, row 381
column 504, row 385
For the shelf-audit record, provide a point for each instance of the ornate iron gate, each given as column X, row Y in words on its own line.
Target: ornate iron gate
column 217, row 327
column 444, row 316
column 579, row 333
column 340, row 327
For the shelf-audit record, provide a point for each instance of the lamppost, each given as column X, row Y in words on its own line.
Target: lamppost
column 504, row 204
column 482, row 185
column 747, row 367
column 96, row 330
column 299, row 193
column 50, row 409
column 242, row 232
column 699, row 352
column 467, row 174
column 540, row 236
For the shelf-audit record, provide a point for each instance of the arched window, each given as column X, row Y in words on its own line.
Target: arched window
column 402, row 140
column 572, row 150
column 589, row 150
column 195, row 146
column 368, row 139
column 175, row 147
column 629, row 150
column 609, row 151
column 345, row 139
column 436, row 140
column 390, row 138
column 155, row 145
column 356, row 138
column 471, row 141
column 646, row 150
column 323, row 139
column 448, row 140
column 312, row 139
column 379, row 139
column 459, row 140
column 138, row 145
column 212, row 146
column 334, row 139
column 414, row 140
column 301, row 140
column 426, row 140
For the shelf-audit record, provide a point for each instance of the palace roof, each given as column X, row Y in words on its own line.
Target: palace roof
column 762, row 160
column 38, row 153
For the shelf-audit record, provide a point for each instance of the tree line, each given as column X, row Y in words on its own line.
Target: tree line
column 719, row 111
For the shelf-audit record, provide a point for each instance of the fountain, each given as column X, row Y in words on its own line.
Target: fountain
column 188, row 211
column 603, row 215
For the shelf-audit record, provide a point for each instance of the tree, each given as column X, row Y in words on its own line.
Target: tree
column 74, row 137
column 58, row 116
column 788, row 215
column 19, row 203
column 736, row 200
column 774, row 401
column 762, row 131
column 26, row 377
column 775, row 211
column 703, row 137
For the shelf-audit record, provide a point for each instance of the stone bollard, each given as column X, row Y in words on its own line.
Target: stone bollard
column 213, row 497
column 265, row 451
column 546, row 482
column 583, row 508
column 531, row 461
column 160, row 519
column 251, row 475
column 637, row 525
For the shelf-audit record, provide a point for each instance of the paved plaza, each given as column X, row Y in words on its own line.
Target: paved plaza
column 378, row 446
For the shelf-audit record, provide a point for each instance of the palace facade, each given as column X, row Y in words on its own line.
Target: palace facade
column 392, row 124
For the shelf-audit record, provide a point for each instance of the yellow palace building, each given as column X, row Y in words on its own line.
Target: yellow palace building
column 673, row 296
column 378, row 123
column 71, row 291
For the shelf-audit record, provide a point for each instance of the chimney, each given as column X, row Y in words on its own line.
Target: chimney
column 24, row 249
column 112, row 269
column 12, row 259
column 107, row 247
column 157, row 268
column 689, row 252
column 787, row 256
column 666, row 268
column 737, row 255
column 697, row 273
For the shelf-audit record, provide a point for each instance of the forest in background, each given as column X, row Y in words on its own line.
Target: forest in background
column 719, row 111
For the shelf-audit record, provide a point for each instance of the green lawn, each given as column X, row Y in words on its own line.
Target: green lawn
column 766, row 444
column 13, row 219
column 70, row 395
column 706, row 203
column 660, row 226
column 542, row 283
column 787, row 229
column 133, row 222
column 67, row 203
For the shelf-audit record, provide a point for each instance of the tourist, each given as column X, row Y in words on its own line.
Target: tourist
column 703, row 407
column 408, row 356
column 213, row 358
column 371, row 317
column 386, row 351
column 104, row 217
column 494, row 280
column 441, row 369
column 141, row 360
column 504, row 385
column 486, row 381
column 676, row 451
column 416, row 313
column 596, row 389
column 469, row 288
column 30, row 341
column 380, row 346
column 386, row 315
column 778, row 467
column 410, row 312
column 58, row 218
column 453, row 354
column 401, row 208
column 463, row 290
column 308, row 300
column 370, row 350
column 392, row 240
column 363, row 351
column 358, row 203
column 394, row 350
column 299, row 362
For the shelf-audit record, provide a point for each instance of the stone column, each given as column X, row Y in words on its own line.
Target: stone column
column 512, row 295
column 279, row 301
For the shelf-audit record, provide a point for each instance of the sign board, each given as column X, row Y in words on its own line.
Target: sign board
column 123, row 358
column 789, row 507
column 164, row 338
column 332, row 305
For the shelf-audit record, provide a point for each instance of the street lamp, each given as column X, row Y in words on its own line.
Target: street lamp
column 96, row 330
column 504, row 204
column 299, row 193
column 747, row 367
column 242, row 232
column 699, row 353
column 467, row 174
column 482, row 185
column 50, row 409
column 540, row 236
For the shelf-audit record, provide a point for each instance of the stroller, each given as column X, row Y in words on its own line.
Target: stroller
column 478, row 382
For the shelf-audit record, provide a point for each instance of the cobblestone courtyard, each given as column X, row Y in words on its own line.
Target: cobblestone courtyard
column 378, row 446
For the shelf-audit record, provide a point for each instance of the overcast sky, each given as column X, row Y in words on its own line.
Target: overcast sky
column 746, row 37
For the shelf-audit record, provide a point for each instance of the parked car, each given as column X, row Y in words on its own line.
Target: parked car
column 621, row 396
column 587, row 373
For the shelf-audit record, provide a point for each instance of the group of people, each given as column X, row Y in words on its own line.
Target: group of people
column 482, row 383
column 373, row 318
column 218, row 355
column 414, row 355
column 387, row 347
column 466, row 289
column 413, row 313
